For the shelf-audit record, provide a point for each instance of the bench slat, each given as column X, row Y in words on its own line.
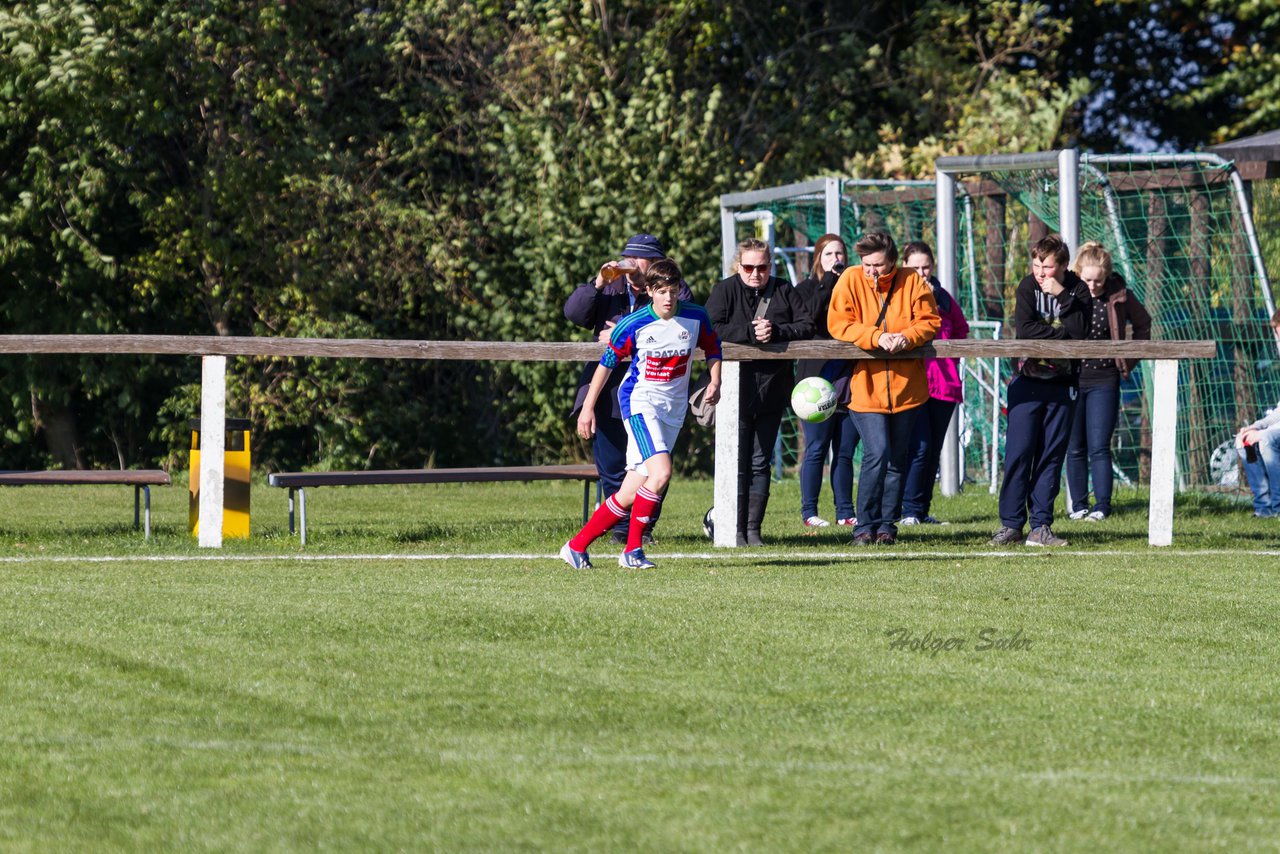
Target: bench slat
column 454, row 475
column 127, row 477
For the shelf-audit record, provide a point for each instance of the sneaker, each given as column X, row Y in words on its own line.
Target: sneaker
column 577, row 560
column 1043, row 536
column 909, row 520
column 929, row 520
column 1007, row 536
column 851, row 522
column 635, row 559
column 1077, row 515
column 862, row 539
column 646, row 539
column 884, row 538
column 1095, row 516
column 816, row 522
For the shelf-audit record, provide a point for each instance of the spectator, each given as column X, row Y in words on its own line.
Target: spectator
column 754, row 307
column 836, row 435
column 881, row 305
column 660, row 339
column 1259, row 447
column 945, row 392
column 1089, row 450
column 1050, row 304
column 617, row 290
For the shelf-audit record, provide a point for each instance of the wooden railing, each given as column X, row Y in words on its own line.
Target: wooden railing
column 215, row 350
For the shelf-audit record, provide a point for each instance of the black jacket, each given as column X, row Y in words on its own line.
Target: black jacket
column 766, row 385
column 1038, row 316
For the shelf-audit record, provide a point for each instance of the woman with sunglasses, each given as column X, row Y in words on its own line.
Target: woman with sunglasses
column 755, row 307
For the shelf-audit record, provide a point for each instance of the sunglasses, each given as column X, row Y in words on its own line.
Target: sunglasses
column 754, row 268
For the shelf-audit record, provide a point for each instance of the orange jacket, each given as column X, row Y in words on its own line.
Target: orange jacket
column 884, row 385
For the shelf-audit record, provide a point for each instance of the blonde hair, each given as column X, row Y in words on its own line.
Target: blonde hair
column 751, row 244
column 1092, row 254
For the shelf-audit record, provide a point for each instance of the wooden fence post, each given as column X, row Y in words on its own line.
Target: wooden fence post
column 1164, row 457
column 726, row 461
column 213, row 418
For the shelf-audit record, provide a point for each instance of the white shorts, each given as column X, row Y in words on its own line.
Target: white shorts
column 648, row 435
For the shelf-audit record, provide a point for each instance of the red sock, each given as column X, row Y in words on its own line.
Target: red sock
column 641, row 514
column 606, row 516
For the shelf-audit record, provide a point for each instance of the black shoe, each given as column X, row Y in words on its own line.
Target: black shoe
column 863, row 539
column 618, row 538
column 884, row 538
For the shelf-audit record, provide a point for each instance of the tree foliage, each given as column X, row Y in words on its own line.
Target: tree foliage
column 441, row 169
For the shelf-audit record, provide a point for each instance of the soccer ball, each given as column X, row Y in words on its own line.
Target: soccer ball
column 709, row 523
column 813, row 400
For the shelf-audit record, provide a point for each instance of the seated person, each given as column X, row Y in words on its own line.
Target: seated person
column 1259, row 447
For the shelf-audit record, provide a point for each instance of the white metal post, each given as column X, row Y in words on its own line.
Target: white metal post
column 726, row 460
column 945, row 192
column 1164, row 446
column 1069, row 198
column 831, row 194
column 728, row 240
column 213, row 418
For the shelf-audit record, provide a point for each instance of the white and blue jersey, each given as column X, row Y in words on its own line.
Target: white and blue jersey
column 657, row 381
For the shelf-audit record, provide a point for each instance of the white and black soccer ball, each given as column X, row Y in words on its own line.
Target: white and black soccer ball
column 708, row 523
column 813, row 400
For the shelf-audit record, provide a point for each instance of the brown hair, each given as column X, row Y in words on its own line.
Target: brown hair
column 918, row 247
column 876, row 241
column 751, row 244
column 818, row 248
column 663, row 273
column 1092, row 254
column 1051, row 246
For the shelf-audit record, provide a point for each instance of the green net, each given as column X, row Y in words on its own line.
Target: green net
column 1178, row 229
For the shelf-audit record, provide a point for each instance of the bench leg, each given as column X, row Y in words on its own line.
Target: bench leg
column 291, row 511
column 146, row 493
column 136, row 489
column 586, row 500
column 302, row 514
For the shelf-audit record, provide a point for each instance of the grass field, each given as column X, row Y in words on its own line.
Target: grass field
column 377, row 691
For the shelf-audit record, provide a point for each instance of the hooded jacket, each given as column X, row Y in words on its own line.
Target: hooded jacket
column 884, row 385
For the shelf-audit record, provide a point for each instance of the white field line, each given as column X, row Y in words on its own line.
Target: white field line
column 718, row 556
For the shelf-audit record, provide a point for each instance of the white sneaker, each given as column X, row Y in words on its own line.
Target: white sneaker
column 1095, row 516
column 909, row 520
column 1077, row 514
column 851, row 522
column 816, row 522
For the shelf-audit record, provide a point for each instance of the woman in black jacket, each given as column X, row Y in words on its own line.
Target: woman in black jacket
column 754, row 307
column 837, row 434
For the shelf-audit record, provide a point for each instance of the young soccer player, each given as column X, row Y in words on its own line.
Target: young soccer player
column 654, row 397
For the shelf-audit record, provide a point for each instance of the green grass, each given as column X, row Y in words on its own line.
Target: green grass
column 748, row 701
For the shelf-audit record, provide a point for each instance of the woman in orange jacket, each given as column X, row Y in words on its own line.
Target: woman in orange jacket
column 880, row 306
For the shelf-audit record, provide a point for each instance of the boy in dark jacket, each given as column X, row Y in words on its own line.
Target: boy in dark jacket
column 1050, row 304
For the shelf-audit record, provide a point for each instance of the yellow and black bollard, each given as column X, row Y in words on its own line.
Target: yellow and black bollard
column 235, row 489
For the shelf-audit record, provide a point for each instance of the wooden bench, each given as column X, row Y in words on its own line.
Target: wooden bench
column 299, row 481
column 140, row 479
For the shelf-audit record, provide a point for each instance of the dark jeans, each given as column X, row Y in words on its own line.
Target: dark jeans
column 922, row 459
column 1089, row 451
column 609, row 452
column 757, row 434
column 839, row 435
column 886, row 439
column 1035, row 445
